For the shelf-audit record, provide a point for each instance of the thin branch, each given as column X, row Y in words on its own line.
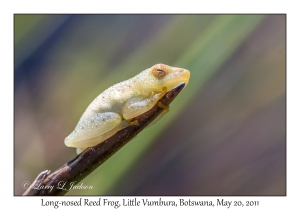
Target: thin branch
column 77, row 169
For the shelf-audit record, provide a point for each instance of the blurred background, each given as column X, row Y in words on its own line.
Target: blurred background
column 225, row 133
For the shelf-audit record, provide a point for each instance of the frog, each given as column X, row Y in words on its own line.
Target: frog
column 115, row 108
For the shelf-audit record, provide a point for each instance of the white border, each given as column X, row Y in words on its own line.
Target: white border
column 293, row 80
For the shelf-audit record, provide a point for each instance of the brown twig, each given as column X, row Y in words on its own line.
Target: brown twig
column 61, row 180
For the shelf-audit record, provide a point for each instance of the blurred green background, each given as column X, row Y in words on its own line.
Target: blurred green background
column 225, row 133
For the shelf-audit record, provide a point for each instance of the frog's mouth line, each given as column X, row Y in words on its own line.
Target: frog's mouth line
column 181, row 75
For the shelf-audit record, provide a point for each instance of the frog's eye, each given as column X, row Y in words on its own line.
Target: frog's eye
column 159, row 70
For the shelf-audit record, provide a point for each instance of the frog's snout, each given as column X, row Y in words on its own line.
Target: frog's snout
column 185, row 75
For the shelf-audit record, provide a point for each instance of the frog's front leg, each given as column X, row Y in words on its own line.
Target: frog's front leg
column 138, row 105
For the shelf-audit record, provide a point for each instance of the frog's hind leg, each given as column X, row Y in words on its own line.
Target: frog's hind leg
column 105, row 136
column 91, row 131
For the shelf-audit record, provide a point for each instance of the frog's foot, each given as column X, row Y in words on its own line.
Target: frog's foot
column 80, row 150
column 126, row 123
column 164, row 91
column 122, row 125
column 134, row 122
column 163, row 106
column 165, row 111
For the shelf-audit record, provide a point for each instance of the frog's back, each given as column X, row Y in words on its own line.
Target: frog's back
column 111, row 99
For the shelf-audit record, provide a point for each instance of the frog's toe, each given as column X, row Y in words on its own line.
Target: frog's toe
column 79, row 150
column 163, row 106
column 135, row 122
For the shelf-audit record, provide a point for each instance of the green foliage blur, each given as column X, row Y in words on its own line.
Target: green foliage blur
column 225, row 133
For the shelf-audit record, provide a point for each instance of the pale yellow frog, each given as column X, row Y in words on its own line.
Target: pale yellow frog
column 115, row 107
